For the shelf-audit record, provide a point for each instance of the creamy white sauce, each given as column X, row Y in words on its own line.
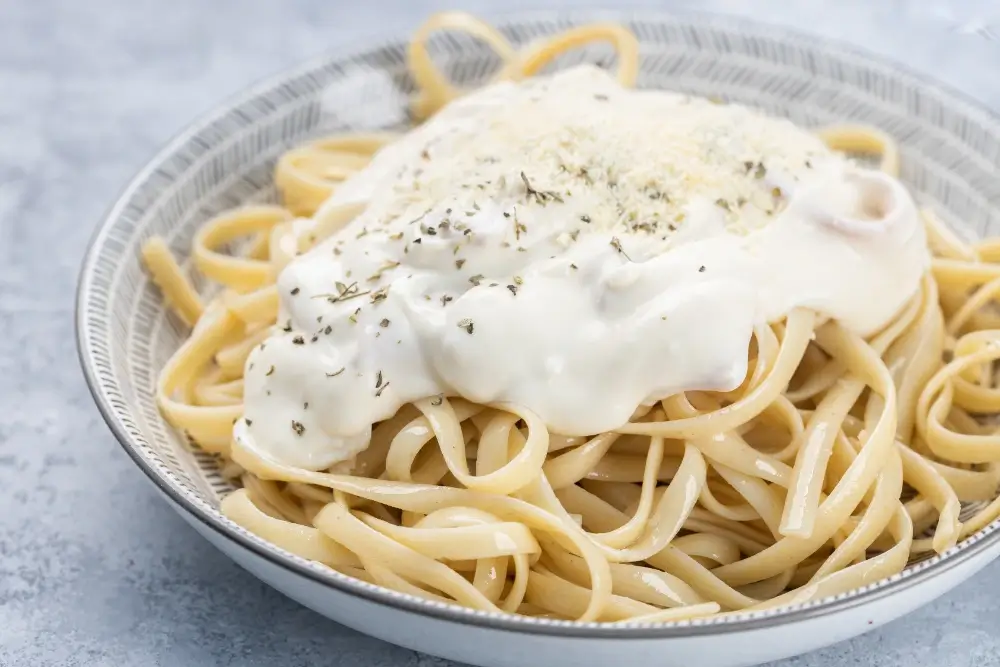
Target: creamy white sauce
column 648, row 234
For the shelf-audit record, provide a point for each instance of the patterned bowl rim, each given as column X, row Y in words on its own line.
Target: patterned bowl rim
column 979, row 543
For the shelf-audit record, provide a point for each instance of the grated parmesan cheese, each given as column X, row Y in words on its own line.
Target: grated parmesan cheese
column 627, row 161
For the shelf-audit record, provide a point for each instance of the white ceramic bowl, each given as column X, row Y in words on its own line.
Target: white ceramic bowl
column 950, row 152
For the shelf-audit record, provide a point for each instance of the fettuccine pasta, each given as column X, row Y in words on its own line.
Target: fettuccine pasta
column 838, row 457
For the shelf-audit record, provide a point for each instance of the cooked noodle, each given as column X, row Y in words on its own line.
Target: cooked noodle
column 837, row 460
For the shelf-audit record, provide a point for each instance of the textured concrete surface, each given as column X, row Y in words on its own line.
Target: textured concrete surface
column 95, row 569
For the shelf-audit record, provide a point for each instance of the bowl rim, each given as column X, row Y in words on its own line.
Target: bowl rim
column 978, row 543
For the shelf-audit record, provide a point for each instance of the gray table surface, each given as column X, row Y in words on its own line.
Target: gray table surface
column 94, row 568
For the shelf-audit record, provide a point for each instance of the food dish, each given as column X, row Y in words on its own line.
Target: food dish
column 743, row 377
column 948, row 147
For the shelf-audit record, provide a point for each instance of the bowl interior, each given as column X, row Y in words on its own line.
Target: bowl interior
column 950, row 149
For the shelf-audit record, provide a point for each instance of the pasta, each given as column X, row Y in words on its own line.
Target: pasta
column 837, row 459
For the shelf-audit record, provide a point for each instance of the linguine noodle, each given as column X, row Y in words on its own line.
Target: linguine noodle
column 835, row 461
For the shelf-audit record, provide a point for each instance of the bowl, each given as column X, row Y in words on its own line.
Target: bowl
column 950, row 148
